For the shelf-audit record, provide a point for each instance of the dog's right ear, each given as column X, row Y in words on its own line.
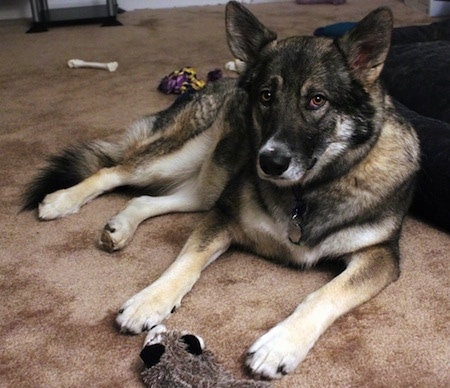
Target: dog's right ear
column 246, row 35
column 366, row 46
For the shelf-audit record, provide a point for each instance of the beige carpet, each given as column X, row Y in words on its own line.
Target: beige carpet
column 59, row 292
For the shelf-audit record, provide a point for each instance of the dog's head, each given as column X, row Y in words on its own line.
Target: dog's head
column 313, row 100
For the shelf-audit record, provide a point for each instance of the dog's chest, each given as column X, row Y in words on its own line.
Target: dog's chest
column 269, row 233
column 269, row 237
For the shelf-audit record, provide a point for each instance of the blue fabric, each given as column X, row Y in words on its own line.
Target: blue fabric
column 334, row 30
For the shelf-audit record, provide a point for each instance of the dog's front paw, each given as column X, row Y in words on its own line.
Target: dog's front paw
column 275, row 354
column 56, row 205
column 116, row 234
column 145, row 310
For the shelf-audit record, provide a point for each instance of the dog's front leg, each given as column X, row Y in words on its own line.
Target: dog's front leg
column 281, row 350
column 154, row 303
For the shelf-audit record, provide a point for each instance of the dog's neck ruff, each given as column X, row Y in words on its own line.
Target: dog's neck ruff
column 295, row 223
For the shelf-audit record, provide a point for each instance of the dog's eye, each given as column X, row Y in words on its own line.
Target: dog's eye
column 316, row 102
column 265, row 97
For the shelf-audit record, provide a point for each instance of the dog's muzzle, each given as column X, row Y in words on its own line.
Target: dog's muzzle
column 273, row 162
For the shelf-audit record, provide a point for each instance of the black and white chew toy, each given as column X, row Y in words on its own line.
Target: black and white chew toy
column 179, row 359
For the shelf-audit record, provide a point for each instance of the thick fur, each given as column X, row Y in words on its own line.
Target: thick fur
column 179, row 359
column 307, row 128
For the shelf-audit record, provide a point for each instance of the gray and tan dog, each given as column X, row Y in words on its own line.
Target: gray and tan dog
column 302, row 158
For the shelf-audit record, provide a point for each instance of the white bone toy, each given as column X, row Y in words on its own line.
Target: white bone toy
column 76, row 63
column 237, row 66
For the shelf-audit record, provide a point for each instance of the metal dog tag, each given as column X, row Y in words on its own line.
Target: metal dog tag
column 295, row 229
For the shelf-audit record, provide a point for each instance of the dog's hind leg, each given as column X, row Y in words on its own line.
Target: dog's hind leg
column 67, row 201
column 194, row 189
column 119, row 230
column 153, row 304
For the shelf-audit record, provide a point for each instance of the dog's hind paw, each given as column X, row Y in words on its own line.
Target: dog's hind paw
column 56, row 205
column 145, row 310
column 116, row 235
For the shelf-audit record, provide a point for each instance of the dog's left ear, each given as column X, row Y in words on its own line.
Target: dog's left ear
column 366, row 46
column 246, row 35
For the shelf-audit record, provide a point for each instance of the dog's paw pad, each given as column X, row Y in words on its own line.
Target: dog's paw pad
column 116, row 235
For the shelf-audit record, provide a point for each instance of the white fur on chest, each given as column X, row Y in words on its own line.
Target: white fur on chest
column 269, row 237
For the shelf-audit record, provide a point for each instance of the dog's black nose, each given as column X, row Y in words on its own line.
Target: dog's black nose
column 272, row 162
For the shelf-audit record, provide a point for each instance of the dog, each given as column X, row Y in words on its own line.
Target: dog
column 301, row 158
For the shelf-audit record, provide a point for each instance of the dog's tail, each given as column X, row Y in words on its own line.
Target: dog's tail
column 69, row 168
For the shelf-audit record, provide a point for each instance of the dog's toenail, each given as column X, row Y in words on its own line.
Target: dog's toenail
column 109, row 228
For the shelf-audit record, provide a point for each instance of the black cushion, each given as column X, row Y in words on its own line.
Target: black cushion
column 418, row 75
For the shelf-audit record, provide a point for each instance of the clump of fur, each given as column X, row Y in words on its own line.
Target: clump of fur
column 179, row 359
